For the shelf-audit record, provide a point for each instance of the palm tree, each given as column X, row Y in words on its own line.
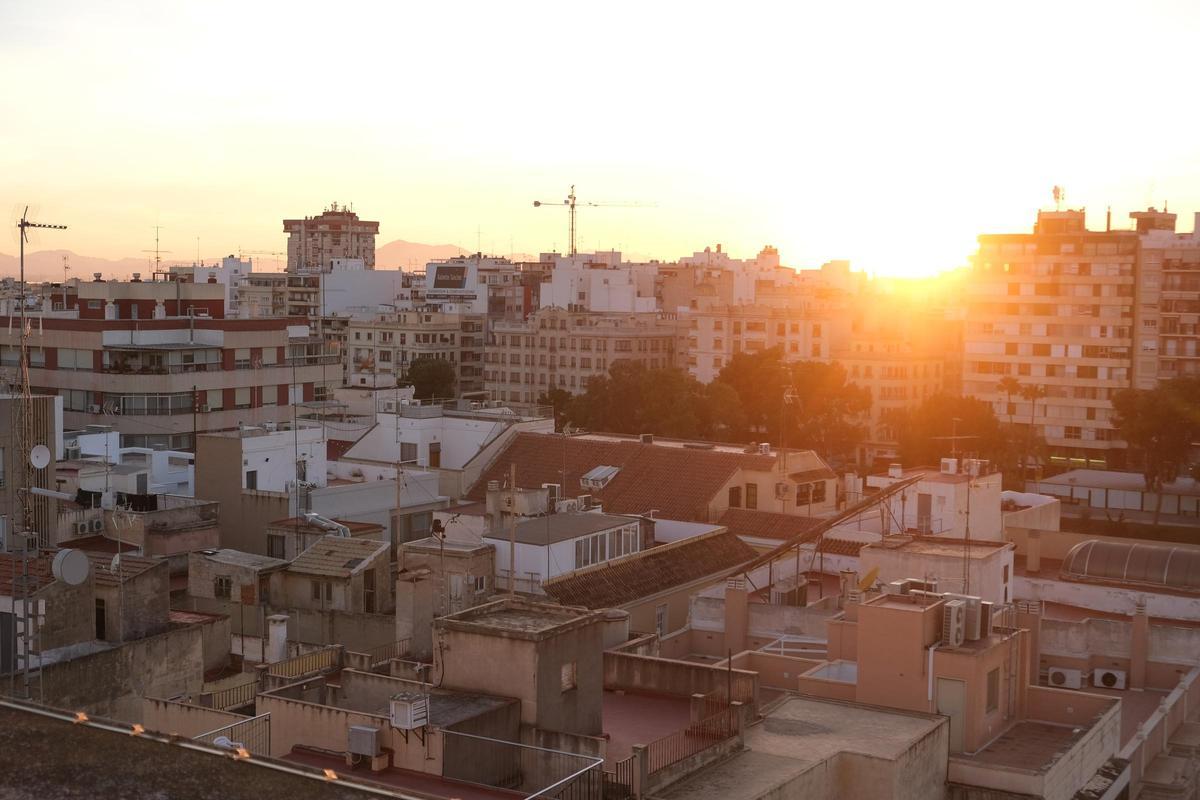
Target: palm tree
column 1010, row 386
column 1032, row 393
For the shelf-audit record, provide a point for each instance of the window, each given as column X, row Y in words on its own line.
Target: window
column 480, row 584
column 569, row 675
column 751, row 495
column 735, row 497
column 276, row 545
column 326, row 586
column 993, row 689
column 818, row 492
column 251, row 479
column 222, row 587
column 660, row 619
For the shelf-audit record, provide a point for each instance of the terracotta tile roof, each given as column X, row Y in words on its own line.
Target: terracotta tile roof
column 40, row 574
column 337, row 556
column 841, row 547
column 677, row 482
column 627, row 579
column 766, row 524
column 130, row 567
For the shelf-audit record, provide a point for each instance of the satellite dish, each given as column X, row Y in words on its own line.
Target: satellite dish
column 869, row 579
column 39, row 456
column 71, row 567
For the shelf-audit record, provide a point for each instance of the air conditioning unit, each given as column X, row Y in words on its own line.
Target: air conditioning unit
column 566, row 506
column 82, row 528
column 985, row 619
column 954, row 623
column 949, row 466
column 93, row 409
column 764, row 448
column 783, row 489
column 585, row 501
column 1066, row 678
column 410, row 711
column 363, row 740
column 897, row 587
column 1108, row 678
column 205, row 408
column 71, row 453
column 97, row 525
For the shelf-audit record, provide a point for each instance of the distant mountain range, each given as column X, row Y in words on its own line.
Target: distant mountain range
column 47, row 265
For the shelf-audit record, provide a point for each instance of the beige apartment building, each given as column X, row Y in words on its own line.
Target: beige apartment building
column 716, row 334
column 160, row 381
column 1168, row 300
column 1055, row 308
column 379, row 348
column 559, row 349
column 336, row 233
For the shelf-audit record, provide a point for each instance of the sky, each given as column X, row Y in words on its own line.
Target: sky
column 889, row 134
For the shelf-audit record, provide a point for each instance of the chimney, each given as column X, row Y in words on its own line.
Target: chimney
column 1139, row 648
column 647, row 438
column 737, row 614
column 276, row 638
column 1033, row 552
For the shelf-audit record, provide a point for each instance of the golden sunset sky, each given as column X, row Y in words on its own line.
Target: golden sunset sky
column 886, row 133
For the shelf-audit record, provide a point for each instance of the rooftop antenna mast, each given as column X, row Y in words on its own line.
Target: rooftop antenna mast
column 157, row 252
column 572, row 203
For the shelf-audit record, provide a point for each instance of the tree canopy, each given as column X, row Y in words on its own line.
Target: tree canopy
column 1160, row 424
column 925, row 431
column 431, row 377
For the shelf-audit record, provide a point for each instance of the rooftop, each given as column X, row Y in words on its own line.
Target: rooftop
column 1030, row 745
column 552, row 528
column 767, row 524
column 943, row 546
column 1124, row 481
column 673, row 479
column 356, row 528
column 518, row 618
column 11, row 573
column 237, row 558
column 933, row 474
column 337, row 556
column 128, row 567
column 799, row 735
column 639, row 575
column 436, row 544
column 1128, row 564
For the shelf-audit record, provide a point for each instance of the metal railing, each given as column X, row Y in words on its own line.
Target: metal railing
column 695, row 738
column 254, row 734
column 233, row 696
column 386, row 652
column 529, row 771
column 306, row 663
column 618, row 782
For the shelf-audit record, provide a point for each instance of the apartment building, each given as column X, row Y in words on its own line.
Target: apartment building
column 160, row 380
column 899, row 374
column 716, row 334
column 380, row 347
column 336, row 233
column 1168, row 300
column 560, row 349
column 1056, row 309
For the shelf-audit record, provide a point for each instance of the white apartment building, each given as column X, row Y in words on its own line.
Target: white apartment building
column 599, row 282
column 1056, row 309
column 229, row 273
column 345, row 286
column 560, row 349
column 716, row 334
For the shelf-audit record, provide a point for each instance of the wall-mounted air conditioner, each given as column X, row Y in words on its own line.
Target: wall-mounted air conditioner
column 83, row 528
column 410, row 711
column 1066, row 678
column 1108, row 678
column 363, row 740
column 97, row 525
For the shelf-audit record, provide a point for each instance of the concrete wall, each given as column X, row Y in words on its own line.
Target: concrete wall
column 139, row 607
column 357, row 632
column 1155, row 733
column 991, row 576
column 1109, row 599
column 632, row 673
column 69, row 614
column 112, row 682
column 184, row 719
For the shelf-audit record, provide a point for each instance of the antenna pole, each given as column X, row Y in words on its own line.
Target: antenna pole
column 571, row 208
column 512, row 529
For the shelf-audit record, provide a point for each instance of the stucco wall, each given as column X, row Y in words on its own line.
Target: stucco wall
column 168, row 716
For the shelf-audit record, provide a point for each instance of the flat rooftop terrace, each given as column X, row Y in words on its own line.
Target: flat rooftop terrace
column 797, row 736
column 521, row 618
column 1030, row 745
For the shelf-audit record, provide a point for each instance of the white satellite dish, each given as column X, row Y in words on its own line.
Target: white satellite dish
column 71, row 567
column 39, row 456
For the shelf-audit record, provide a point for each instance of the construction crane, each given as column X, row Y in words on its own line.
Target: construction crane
column 275, row 254
column 572, row 203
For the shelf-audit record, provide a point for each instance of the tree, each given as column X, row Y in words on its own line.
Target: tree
column 760, row 380
column 1161, row 423
column 1032, row 393
column 431, row 377
column 925, row 431
column 559, row 400
column 1010, row 386
column 632, row 398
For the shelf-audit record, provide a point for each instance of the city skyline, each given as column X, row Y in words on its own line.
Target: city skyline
column 788, row 130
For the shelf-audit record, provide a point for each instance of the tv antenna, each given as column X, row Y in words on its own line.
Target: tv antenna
column 157, row 252
column 572, row 203
column 1060, row 197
